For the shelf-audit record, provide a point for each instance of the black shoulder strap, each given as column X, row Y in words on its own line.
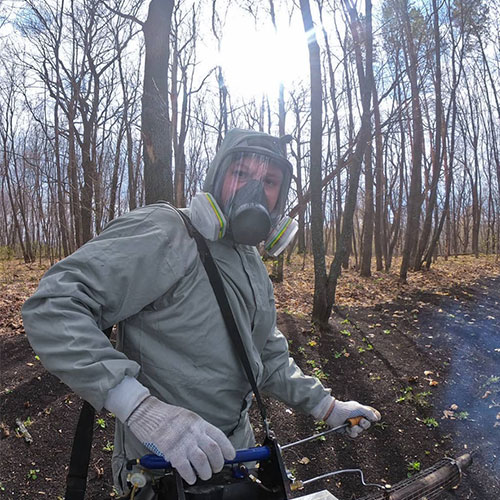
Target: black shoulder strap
column 76, row 480
column 220, row 294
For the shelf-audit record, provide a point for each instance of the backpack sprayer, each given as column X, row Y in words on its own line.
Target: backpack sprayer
column 273, row 482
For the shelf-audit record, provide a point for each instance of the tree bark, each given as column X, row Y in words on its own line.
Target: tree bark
column 415, row 196
column 436, row 156
column 320, row 313
column 367, row 241
column 155, row 127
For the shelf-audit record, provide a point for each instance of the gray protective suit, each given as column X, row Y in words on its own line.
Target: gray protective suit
column 144, row 274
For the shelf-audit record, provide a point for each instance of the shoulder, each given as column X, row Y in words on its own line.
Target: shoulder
column 159, row 219
column 155, row 232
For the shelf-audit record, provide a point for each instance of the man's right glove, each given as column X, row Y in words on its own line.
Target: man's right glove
column 188, row 442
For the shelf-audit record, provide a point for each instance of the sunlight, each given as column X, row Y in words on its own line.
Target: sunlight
column 256, row 60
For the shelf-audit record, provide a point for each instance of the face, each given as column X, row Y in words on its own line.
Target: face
column 252, row 167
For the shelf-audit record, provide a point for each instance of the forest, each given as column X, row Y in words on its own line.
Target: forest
column 393, row 112
column 389, row 291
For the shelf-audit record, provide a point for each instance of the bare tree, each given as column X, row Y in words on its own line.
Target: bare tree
column 155, row 126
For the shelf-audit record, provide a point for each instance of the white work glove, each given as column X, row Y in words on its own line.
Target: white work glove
column 335, row 413
column 189, row 443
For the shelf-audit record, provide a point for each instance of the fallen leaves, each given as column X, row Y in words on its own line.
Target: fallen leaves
column 432, row 382
column 497, row 423
column 295, row 293
column 4, row 429
column 452, row 413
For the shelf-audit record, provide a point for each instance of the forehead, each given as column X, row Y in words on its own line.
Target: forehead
column 256, row 163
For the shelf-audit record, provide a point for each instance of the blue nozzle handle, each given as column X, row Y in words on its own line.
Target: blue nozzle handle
column 246, row 455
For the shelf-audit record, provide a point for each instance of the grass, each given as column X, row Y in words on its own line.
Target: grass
column 419, row 398
column 431, row 422
column 413, row 467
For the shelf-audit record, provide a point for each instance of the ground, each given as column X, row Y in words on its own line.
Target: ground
column 426, row 354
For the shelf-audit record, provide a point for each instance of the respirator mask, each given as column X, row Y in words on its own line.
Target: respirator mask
column 249, row 196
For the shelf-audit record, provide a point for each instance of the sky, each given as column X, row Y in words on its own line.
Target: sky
column 256, row 59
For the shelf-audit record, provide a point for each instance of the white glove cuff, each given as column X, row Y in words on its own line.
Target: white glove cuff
column 324, row 408
column 124, row 398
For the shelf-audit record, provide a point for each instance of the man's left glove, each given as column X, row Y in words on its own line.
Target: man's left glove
column 335, row 413
column 190, row 443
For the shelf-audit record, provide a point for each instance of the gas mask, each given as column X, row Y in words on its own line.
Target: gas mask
column 248, row 213
column 249, row 196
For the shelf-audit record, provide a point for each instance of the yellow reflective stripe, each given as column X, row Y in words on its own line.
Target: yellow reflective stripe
column 217, row 213
column 279, row 235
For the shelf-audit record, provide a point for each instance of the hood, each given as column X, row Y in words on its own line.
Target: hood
column 249, row 141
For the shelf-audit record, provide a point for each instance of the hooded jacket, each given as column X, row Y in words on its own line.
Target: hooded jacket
column 143, row 273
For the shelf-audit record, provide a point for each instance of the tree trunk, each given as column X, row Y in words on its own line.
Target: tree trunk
column 380, row 240
column 415, row 196
column 320, row 313
column 436, row 156
column 366, row 245
column 114, row 177
column 155, row 127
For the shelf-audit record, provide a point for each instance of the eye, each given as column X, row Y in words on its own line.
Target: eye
column 240, row 174
column 271, row 182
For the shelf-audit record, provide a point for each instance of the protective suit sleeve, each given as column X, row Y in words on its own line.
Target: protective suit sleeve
column 284, row 380
column 124, row 398
column 136, row 259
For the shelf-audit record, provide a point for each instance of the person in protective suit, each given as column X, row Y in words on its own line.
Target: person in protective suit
column 174, row 380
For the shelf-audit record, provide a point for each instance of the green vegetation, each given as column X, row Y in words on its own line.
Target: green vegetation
column 108, row 446
column 407, row 395
column 33, row 474
column 320, row 374
column 431, row 422
column 101, row 423
column 492, row 380
column 413, row 467
column 419, row 398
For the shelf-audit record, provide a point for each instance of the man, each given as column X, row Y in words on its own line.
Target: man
column 174, row 382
